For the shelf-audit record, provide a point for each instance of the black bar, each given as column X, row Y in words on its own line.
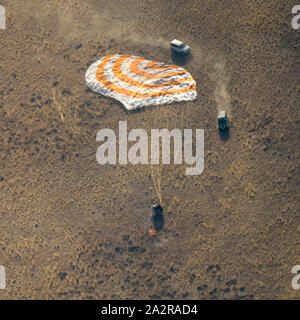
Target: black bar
column 160, row 309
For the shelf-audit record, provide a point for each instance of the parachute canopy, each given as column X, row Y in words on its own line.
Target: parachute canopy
column 137, row 82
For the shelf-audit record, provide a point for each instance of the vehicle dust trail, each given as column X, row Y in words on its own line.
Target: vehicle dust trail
column 96, row 24
column 221, row 80
column 215, row 66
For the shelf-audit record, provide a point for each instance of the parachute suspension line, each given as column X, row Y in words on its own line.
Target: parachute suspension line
column 188, row 110
column 160, row 179
column 155, row 185
column 156, row 178
column 159, row 113
column 182, row 118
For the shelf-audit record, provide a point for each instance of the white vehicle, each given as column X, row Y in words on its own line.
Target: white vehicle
column 179, row 47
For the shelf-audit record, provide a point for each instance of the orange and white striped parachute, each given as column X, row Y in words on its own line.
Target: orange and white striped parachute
column 137, row 82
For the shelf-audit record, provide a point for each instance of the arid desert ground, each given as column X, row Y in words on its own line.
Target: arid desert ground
column 73, row 229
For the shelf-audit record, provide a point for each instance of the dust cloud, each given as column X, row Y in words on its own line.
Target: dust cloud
column 221, row 80
column 214, row 65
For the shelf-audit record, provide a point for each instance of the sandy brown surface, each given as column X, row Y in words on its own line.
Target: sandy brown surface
column 71, row 228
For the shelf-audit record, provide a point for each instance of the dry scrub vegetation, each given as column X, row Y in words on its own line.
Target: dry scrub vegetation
column 71, row 228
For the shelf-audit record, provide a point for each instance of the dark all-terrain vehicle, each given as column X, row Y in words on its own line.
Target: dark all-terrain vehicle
column 223, row 121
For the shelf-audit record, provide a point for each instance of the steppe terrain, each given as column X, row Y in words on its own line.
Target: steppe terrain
column 73, row 229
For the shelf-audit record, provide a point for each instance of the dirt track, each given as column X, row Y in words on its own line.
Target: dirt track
column 71, row 228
